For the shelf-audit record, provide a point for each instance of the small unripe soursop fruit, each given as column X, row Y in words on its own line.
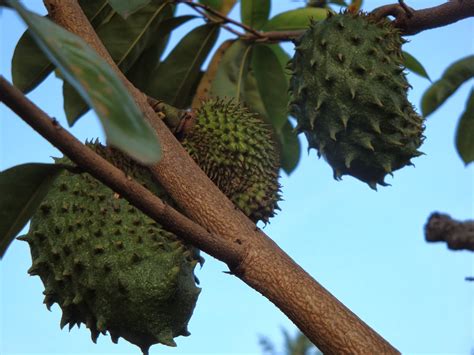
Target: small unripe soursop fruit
column 236, row 150
column 350, row 96
column 107, row 264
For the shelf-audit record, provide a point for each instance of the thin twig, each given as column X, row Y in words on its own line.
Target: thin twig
column 196, row 6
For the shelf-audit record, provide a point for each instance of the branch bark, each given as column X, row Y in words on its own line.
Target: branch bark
column 260, row 262
column 109, row 175
column 409, row 22
column 416, row 21
column 442, row 228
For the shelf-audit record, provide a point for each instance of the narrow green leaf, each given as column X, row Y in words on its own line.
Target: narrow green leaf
column 174, row 79
column 298, row 19
column 98, row 85
column 414, row 65
column 223, row 6
column 229, row 80
column 126, row 8
column 29, row 65
column 465, row 132
column 456, row 74
column 255, row 13
column 290, row 148
column 126, row 41
column 22, row 188
column 272, row 84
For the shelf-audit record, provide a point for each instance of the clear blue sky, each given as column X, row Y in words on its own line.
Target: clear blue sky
column 365, row 247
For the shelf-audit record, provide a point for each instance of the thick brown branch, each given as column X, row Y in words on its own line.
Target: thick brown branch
column 113, row 177
column 442, row 228
column 409, row 21
column 263, row 265
column 414, row 21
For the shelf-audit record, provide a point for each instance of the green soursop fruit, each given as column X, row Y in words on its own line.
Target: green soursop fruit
column 107, row 264
column 235, row 149
column 350, row 96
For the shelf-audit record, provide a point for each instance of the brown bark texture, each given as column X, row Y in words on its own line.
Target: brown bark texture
column 259, row 262
column 457, row 235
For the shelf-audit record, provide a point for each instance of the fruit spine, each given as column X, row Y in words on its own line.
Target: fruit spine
column 350, row 96
column 235, row 149
column 107, row 264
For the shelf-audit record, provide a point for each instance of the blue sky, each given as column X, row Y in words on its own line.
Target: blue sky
column 365, row 247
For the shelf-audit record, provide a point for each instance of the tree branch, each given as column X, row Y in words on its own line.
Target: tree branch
column 109, row 175
column 442, row 228
column 261, row 263
column 409, row 21
column 414, row 21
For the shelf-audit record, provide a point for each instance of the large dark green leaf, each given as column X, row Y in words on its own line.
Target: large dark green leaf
column 290, row 148
column 414, row 65
column 98, row 85
column 22, row 188
column 175, row 78
column 128, row 7
column 283, row 58
column 255, row 13
column 465, row 132
column 298, row 19
column 230, row 76
column 125, row 40
column 272, row 84
column 139, row 73
column 457, row 73
column 98, row 12
column 29, row 65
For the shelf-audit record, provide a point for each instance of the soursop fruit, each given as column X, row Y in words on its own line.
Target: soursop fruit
column 107, row 264
column 235, row 149
column 350, row 96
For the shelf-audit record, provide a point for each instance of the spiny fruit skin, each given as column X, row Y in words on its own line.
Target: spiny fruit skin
column 107, row 264
column 235, row 149
column 350, row 97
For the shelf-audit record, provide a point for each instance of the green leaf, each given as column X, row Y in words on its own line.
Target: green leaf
column 272, row 84
column 230, row 76
column 22, row 188
column 283, row 58
column 298, row 19
column 98, row 12
column 125, row 40
column 456, row 74
column 255, row 13
column 98, row 85
column 223, row 6
column 29, row 65
column 414, row 65
column 175, row 78
column 126, row 8
column 465, row 132
column 139, row 73
column 290, row 148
